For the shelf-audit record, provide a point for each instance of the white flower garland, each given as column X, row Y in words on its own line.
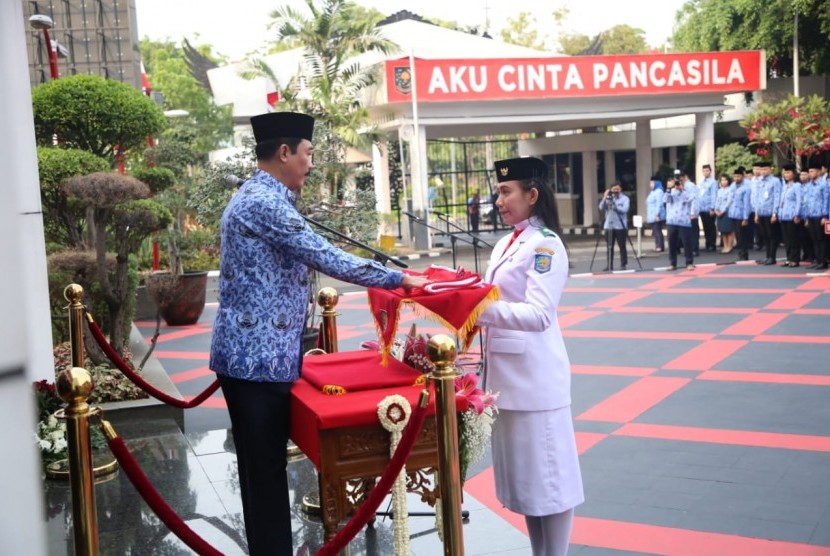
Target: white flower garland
column 394, row 412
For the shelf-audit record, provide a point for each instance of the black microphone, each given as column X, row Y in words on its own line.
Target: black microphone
column 412, row 216
column 233, row 181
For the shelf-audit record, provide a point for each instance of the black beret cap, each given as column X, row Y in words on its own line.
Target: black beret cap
column 275, row 125
column 520, row 169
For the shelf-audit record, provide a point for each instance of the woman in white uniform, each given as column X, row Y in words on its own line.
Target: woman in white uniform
column 534, row 449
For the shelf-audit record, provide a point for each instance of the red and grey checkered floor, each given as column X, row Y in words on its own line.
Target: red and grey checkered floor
column 701, row 404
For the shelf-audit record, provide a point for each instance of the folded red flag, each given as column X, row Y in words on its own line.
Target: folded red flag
column 455, row 299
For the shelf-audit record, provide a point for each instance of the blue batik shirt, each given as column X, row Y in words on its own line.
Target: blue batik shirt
column 708, row 192
column 790, row 206
column 692, row 188
column 816, row 200
column 766, row 196
column 740, row 207
column 616, row 212
column 680, row 208
column 267, row 249
column 655, row 208
column 724, row 199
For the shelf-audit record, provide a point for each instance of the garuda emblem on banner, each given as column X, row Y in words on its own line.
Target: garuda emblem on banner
column 403, row 80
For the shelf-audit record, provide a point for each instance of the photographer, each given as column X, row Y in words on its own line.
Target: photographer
column 615, row 205
column 681, row 210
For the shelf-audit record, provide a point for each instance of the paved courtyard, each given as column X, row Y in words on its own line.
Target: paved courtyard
column 701, row 404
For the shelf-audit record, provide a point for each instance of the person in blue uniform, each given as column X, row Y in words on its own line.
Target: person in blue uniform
column 693, row 190
column 656, row 212
column 816, row 213
column 708, row 192
column 789, row 210
column 681, row 211
column 807, row 255
column 766, row 198
column 266, row 252
column 739, row 213
column 615, row 205
column 535, row 459
column 723, row 201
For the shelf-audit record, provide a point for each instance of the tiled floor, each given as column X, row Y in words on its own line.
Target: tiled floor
column 701, row 404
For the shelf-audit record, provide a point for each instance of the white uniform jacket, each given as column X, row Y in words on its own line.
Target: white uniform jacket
column 525, row 356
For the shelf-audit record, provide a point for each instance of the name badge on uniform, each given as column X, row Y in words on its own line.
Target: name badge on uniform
column 542, row 263
column 766, row 195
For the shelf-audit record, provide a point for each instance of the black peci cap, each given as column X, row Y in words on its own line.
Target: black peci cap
column 788, row 166
column 739, row 170
column 762, row 164
column 815, row 165
column 275, row 125
column 520, row 169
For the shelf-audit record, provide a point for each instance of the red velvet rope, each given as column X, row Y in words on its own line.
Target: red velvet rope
column 156, row 502
column 378, row 493
column 136, row 379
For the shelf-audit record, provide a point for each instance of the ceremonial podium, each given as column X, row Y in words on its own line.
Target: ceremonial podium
column 340, row 433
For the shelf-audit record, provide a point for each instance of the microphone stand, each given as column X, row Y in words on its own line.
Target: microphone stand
column 453, row 236
column 476, row 240
column 380, row 256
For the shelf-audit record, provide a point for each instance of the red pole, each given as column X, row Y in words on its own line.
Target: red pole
column 53, row 55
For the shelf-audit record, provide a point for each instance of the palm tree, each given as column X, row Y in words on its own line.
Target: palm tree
column 331, row 80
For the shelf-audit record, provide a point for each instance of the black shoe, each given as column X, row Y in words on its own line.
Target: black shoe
column 622, row 267
column 605, row 269
column 743, row 257
column 696, row 253
column 812, row 266
column 822, row 267
column 769, row 262
column 760, row 261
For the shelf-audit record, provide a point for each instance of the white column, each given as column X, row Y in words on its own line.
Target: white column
column 420, row 203
column 380, row 173
column 25, row 339
column 704, row 143
column 610, row 169
column 643, row 164
column 589, row 188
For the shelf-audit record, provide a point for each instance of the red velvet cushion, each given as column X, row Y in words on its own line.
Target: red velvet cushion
column 356, row 371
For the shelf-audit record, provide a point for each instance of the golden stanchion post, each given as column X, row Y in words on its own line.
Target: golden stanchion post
column 74, row 387
column 327, row 299
column 441, row 351
column 74, row 293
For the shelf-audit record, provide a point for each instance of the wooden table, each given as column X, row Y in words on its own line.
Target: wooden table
column 342, row 436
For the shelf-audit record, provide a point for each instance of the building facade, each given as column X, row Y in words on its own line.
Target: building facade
column 99, row 37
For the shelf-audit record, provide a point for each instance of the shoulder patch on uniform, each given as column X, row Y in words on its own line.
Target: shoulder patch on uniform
column 542, row 263
column 547, row 232
column 545, row 250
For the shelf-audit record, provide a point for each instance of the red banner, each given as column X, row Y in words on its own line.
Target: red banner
column 577, row 76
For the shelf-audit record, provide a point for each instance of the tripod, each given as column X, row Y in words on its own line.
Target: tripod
column 609, row 259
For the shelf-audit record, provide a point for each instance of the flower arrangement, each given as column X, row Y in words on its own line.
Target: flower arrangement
column 477, row 408
column 475, row 421
column 50, row 434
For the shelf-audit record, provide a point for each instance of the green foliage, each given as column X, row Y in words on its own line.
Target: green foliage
column 169, row 74
column 63, row 220
column 732, row 155
column 176, row 149
column 94, row 114
column 209, row 194
column 714, row 25
column 520, row 31
column 791, row 129
column 157, row 179
column 619, row 39
column 199, row 250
